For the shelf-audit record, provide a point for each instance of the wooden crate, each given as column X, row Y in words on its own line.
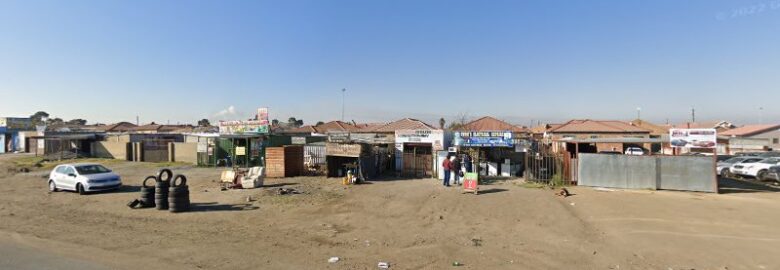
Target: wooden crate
column 284, row 161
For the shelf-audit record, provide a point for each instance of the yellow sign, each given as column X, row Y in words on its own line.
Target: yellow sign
column 240, row 151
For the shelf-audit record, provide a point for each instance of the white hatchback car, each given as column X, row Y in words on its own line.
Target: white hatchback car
column 635, row 151
column 83, row 178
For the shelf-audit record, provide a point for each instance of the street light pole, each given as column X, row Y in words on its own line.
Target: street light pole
column 760, row 115
column 639, row 113
column 343, row 94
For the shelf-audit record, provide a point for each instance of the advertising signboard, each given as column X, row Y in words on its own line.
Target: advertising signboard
column 11, row 123
column 693, row 138
column 484, row 139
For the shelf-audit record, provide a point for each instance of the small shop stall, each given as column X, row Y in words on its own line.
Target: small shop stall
column 415, row 151
column 366, row 155
column 493, row 153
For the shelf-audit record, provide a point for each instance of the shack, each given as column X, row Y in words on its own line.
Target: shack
column 366, row 155
column 415, row 151
column 284, row 161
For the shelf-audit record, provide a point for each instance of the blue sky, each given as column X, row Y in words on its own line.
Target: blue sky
column 522, row 61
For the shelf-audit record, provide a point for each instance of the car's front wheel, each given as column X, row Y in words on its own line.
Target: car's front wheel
column 52, row 186
column 80, row 189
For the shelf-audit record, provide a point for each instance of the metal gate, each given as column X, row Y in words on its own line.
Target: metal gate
column 545, row 166
column 155, row 150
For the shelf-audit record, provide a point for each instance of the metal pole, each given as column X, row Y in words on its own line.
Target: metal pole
column 343, row 94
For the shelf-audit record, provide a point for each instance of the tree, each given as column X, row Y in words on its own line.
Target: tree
column 54, row 121
column 275, row 122
column 293, row 122
column 78, row 122
column 204, row 123
column 320, row 123
column 460, row 121
column 36, row 117
column 442, row 122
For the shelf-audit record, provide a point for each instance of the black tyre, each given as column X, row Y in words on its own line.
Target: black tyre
column 761, row 175
column 168, row 175
column 724, row 172
column 151, row 177
column 179, row 180
column 80, row 189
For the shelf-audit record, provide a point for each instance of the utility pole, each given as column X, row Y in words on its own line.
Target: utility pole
column 760, row 115
column 343, row 94
column 693, row 115
column 137, row 123
column 638, row 113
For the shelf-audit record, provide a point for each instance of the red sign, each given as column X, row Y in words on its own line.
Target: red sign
column 470, row 182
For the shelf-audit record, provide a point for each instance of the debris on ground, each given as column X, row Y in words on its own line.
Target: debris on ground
column 477, row 242
column 249, row 199
column 383, row 265
column 333, row 259
column 287, row 191
column 457, row 264
column 133, row 203
column 603, row 189
column 572, row 204
column 563, row 193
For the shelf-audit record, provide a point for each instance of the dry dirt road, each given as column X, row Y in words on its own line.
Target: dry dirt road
column 412, row 224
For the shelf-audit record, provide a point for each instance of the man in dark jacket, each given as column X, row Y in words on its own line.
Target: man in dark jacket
column 467, row 163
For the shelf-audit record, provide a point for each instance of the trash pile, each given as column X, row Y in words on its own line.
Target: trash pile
column 168, row 193
column 287, row 191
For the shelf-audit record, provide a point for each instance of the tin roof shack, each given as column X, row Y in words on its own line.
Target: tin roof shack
column 496, row 148
column 284, row 161
column 564, row 136
column 10, row 138
column 65, row 145
column 367, row 155
column 752, row 138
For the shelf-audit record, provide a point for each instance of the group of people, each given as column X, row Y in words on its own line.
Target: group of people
column 455, row 165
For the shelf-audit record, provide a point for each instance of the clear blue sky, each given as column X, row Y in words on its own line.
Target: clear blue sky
column 518, row 60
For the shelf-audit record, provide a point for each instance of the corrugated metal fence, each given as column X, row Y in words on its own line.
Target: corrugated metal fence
column 690, row 173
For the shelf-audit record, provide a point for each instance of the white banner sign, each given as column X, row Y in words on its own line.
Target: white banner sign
column 693, row 138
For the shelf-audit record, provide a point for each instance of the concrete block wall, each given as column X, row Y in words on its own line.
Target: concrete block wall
column 185, row 152
column 115, row 150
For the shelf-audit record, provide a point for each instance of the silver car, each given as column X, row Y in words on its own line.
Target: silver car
column 83, row 178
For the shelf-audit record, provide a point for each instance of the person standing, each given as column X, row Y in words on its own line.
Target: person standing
column 445, row 165
column 455, row 167
column 467, row 163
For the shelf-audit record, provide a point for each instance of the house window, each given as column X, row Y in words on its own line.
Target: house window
column 775, row 141
column 594, row 136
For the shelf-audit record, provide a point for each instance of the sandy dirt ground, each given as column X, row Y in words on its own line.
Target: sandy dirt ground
column 412, row 224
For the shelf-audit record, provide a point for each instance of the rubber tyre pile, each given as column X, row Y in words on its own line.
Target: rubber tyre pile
column 161, row 189
column 168, row 193
column 147, row 192
column 179, row 194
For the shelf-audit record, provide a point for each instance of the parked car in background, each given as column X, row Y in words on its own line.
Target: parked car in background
column 724, row 157
column 635, row 151
column 723, row 166
column 760, row 154
column 773, row 174
column 611, row 152
column 760, row 169
column 83, row 178
column 741, row 167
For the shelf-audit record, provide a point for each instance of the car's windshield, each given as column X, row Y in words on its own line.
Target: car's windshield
column 92, row 169
column 752, row 160
column 734, row 160
column 770, row 161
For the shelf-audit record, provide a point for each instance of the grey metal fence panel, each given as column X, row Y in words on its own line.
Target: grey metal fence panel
column 617, row 171
column 687, row 173
column 648, row 172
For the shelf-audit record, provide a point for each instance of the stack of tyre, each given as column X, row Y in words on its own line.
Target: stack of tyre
column 161, row 189
column 179, row 194
column 147, row 192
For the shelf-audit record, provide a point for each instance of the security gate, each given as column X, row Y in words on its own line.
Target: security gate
column 545, row 166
